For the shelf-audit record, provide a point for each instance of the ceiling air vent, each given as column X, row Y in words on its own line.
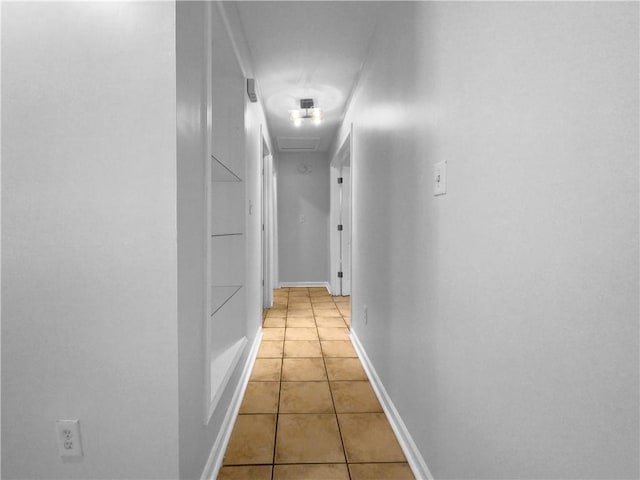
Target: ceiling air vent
column 298, row 144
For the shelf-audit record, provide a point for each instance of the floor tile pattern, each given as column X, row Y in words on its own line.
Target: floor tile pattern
column 309, row 411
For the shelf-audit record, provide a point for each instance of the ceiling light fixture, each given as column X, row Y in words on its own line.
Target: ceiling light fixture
column 307, row 112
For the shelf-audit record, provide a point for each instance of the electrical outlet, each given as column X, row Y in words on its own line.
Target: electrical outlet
column 440, row 178
column 68, row 434
column 365, row 314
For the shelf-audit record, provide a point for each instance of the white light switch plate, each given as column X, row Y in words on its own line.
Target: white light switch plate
column 440, row 178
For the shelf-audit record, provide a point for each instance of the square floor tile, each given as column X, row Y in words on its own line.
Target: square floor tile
column 260, row 397
column 333, row 333
column 324, row 299
column 302, row 293
column 301, row 333
column 318, row 290
column 330, row 304
column 327, row 313
column 330, row 322
column 277, row 313
column 251, row 440
column 272, row 322
column 302, row 348
column 354, row 397
column 300, row 313
column 273, row 334
column 308, row 438
column 345, row 369
column 298, row 322
column 298, row 300
column 298, row 291
column 253, row 472
column 303, row 370
column 321, row 308
column 305, row 397
column 368, row 437
column 266, row 370
column 338, row 348
column 381, row 471
column 270, row 349
column 326, row 471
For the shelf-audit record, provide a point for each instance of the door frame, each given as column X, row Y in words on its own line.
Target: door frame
column 338, row 243
column 267, row 222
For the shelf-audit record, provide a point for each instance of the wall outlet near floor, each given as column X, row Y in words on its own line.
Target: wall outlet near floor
column 68, row 434
column 440, row 178
column 365, row 314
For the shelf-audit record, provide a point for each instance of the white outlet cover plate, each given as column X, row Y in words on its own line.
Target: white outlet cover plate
column 68, row 433
column 440, row 178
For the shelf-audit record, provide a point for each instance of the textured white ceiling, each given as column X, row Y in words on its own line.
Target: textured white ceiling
column 306, row 49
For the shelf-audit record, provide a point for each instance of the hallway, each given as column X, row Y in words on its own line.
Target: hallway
column 166, row 165
column 309, row 411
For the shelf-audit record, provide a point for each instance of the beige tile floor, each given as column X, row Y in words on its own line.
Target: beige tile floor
column 309, row 412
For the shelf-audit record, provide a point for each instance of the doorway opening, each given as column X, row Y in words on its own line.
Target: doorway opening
column 268, row 222
column 341, row 219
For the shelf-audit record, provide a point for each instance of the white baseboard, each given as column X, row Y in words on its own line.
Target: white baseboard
column 414, row 457
column 214, row 462
column 306, row 284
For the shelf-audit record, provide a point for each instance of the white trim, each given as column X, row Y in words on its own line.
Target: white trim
column 221, row 369
column 214, row 462
column 233, row 27
column 306, row 284
column 414, row 457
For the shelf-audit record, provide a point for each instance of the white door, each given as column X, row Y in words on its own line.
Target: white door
column 267, row 226
column 345, row 233
column 341, row 220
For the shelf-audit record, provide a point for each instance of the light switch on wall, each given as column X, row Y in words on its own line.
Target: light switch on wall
column 440, row 178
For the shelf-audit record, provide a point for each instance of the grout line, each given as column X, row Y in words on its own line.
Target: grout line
column 335, row 412
column 275, row 439
column 324, row 357
column 331, row 390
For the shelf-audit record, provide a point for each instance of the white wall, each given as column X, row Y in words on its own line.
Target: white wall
column 303, row 243
column 503, row 316
column 89, row 238
column 192, row 36
column 255, row 129
column 228, row 97
column 254, row 119
column 103, row 259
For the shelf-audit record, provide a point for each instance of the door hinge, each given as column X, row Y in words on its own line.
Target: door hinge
column 339, row 274
column 339, row 228
column 339, row 179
